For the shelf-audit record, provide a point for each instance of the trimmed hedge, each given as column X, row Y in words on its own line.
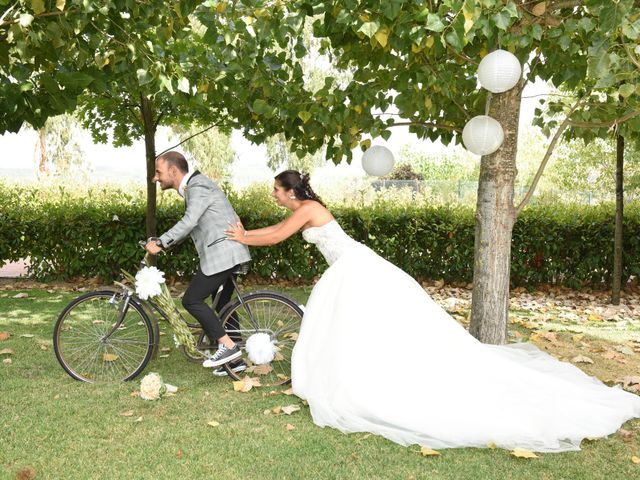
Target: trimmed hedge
column 95, row 233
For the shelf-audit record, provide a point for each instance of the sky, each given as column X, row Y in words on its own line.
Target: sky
column 127, row 164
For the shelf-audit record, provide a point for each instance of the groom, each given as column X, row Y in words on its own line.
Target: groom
column 207, row 213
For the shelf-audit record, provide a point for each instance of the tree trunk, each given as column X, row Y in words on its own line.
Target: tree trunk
column 495, row 216
column 146, row 110
column 41, row 149
column 617, row 243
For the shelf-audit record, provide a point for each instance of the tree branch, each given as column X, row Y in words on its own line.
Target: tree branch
column 40, row 15
column 633, row 58
column 609, row 123
column 6, row 12
column 428, row 125
column 564, row 4
column 157, row 122
column 190, row 137
column 548, row 153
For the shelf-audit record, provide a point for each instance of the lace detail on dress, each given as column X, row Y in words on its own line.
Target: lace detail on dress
column 330, row 240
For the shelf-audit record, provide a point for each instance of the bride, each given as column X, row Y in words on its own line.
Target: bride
column 376, row 354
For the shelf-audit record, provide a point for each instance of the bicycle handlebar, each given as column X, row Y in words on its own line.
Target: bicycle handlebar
column 143, row 243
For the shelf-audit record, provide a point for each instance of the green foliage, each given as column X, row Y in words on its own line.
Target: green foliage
column 69, row 234
column 280, row 157
column 404, row 171
column 454, row 164
column 60, row 148
column 210, row 151
column 591, row 166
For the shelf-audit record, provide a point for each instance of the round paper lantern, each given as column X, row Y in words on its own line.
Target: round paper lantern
column 482, row 135
column 378, row 161
column 499, row 71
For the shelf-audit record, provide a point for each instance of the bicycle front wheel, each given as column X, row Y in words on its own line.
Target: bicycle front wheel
column 95, row 341
column 265, row 312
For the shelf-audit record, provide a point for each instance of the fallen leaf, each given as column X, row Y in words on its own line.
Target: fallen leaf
column 139, row 419
column 56, row 397
column 7, row 361
column 289, row 409
column 165, row 349
column 288, row 391
column 594, row 317
column 21, row 295
column 44, row 347
column 611, row 355
column 279, row 357
column 292, row 336
column 6, row 351
column 627, row 381
column 27, row 473
column 27, row 335
column 179, row 455
column 624, row 349
column 127, row 413
column 290, row 427
column 277, row 409
column 428, row 452
column 627, row 435
column 213, row 423
column 264, row 369
column 246, row 384
column 522, row 453
column 135, row 393
column 4, row 336
column 581, row 359
column 266, row 412
column 635, row 460
column 109, row 357
column 171, row 389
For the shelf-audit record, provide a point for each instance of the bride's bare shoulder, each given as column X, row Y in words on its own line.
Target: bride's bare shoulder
column 318, row 214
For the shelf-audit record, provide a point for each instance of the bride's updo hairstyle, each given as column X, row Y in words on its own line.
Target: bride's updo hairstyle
column 299, row 183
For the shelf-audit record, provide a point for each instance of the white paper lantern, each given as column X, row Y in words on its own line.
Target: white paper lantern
column 378, row 161
column 482, row 135
column 499, row 71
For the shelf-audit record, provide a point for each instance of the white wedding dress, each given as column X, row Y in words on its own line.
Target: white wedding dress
column 376, row 354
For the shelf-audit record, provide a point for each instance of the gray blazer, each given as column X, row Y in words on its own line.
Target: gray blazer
column 207, row 211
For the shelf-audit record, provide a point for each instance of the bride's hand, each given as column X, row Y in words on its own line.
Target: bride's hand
column 236, row 231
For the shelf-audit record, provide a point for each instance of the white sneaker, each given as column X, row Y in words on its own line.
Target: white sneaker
column 238, row 367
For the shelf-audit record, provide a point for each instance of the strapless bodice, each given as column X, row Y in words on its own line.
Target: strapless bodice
column 330, row 239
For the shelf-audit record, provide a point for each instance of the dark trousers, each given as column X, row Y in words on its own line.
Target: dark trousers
column 201, row 287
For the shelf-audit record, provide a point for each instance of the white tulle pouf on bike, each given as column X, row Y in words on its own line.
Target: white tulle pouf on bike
column 260, row 348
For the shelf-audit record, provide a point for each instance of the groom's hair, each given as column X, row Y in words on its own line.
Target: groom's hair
column 175, row 159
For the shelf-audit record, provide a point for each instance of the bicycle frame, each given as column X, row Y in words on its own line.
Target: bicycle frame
column 150, row 307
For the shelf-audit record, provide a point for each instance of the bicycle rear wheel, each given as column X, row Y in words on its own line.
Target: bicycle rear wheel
column 89, row 346
column 274, row 314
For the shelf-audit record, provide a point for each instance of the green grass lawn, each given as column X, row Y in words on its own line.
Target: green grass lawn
column 64, row 429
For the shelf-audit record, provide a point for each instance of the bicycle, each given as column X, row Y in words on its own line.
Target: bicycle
column 112, row 334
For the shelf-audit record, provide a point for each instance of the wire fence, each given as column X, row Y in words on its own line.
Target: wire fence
column 465, row 191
